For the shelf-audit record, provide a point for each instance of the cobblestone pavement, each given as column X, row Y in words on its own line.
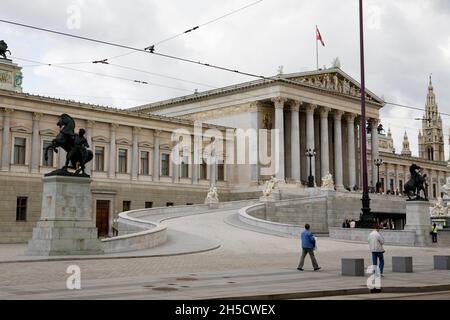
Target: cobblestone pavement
column 241, row 251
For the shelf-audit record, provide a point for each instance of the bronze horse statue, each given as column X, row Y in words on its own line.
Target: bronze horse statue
column 74, row 144
column 3, row 49
column 416, row 184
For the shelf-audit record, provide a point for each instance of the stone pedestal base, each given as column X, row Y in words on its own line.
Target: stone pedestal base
column 66, row 226
column 418, row 220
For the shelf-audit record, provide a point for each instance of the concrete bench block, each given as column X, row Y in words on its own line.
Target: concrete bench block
column 353, row 267
column 441, row 262
column 402, row 264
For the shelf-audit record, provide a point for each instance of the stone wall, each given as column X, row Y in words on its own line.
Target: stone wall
column 391, row 237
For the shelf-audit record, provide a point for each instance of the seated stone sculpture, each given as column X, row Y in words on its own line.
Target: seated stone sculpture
column 327, row 182
column 270, row 186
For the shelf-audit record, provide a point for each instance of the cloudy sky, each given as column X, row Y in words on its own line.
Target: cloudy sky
column 406, row 41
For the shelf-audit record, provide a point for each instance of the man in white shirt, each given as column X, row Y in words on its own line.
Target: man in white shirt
column 376, row 242
column 352, row 223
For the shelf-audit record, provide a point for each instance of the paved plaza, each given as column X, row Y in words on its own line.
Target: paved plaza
column 227, row 259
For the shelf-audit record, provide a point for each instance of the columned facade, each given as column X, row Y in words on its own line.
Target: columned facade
column 295, row 142
column 324, row 142
column 279, row 143
column 338, row 172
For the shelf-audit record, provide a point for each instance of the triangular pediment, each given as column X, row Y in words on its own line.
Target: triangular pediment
column 48, row 133
column 145, row 144
column 21, row 129
column 100, row 139
column 124, row 141
column 335, row 81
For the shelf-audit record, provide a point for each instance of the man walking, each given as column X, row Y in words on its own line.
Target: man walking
column 308, row 245
column 376, row 242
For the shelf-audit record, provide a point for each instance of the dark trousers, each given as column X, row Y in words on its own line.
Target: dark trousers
column 311, row 255
column 434, row 237
column 378, row 256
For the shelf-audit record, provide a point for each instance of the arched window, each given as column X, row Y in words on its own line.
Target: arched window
column 430, row 153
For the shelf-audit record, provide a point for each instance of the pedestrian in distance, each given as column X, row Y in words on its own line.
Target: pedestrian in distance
column 376, row 242
column 352, row 224
column 308, row 246
column 344, row 224
column 434, row 233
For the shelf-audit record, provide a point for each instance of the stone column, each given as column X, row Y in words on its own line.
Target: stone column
column 338, row 150
column 310, row 135
column 295, row 141
column 6, row 139
column 112, row 151
column 89, row 133
column 279, row 144
column 135, row 154
column 156, row 143
column 196, row 158
column 35, row 143
column 175, row 166
column 374, row 148
column 324, row 144
column 351, row 150
column 397, row 187
column 213, row 166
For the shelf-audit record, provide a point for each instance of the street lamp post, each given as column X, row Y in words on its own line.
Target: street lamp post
column 378, row 163
column 310, row 153
column 365, row 197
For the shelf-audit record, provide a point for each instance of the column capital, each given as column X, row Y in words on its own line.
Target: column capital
column 278, row 102
column 373, row 122
column 309, row 108
column 114, row 126
column 136, row 130
column 324, row 111
column 338, row 114
column 7, row 111
column 37, row 116
column 350, row 117
column 157, row 133
column 295, row 105
column 90, row 124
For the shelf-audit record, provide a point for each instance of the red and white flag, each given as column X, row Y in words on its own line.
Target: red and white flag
column 319, row 36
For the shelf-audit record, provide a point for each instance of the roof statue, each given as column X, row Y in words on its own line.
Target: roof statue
column 4, row 49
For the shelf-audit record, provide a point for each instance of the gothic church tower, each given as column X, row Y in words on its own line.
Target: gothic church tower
column 431, row 139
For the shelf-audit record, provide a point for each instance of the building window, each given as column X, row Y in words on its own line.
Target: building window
column 400, row 183
column 185, row 168
column 434, row 190
column 99, row 159
column 49, row 161
column 189, row 204
column 169, row 204
column 123, row 155
column 203, row 170
column 19, row 150
column 382, row 185
column 126, row 206
column 148, row 204
column 165, row 164
column 391, row 186
column 144, row 163
column 21, row 209
column 220, row 172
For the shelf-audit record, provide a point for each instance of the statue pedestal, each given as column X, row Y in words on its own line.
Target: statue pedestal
column 418, row 220
column 66, row 226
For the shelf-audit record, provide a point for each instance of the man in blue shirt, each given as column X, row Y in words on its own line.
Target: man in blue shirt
column 308, row 245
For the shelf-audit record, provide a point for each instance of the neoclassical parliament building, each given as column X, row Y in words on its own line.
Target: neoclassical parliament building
column 132, row 166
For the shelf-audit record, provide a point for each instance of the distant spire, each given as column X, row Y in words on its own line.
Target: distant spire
column 405, row 150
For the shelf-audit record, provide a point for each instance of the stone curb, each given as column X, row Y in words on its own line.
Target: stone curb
column 336, row 292
column 77, row 258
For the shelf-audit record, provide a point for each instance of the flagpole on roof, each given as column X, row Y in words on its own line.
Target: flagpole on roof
column 317, row 50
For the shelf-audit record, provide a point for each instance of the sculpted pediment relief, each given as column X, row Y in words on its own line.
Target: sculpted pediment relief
column 335, row 81
column 21, row 129
column 100, row 139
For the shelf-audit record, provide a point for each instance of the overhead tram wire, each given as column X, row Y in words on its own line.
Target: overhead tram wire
column 105, row 75
column 190, row 29
column 174, row 58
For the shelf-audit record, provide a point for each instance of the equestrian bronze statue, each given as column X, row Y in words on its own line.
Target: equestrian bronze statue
column 416, row 184
column 4, row 49
column 75, row 144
